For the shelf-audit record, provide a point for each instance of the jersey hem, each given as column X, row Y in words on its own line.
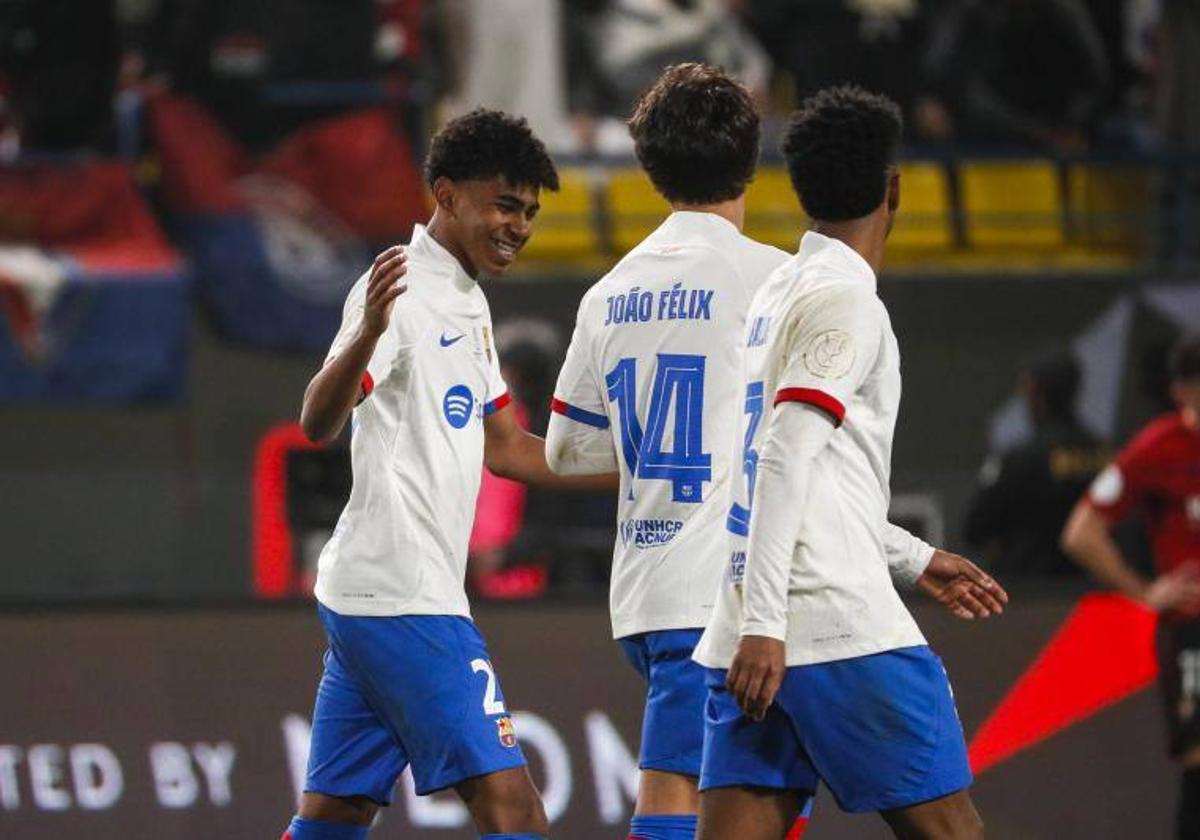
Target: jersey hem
column 712, row 659
column 385, row 607
column 625, row 629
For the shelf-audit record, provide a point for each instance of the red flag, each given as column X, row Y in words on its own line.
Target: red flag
column 1103, row 653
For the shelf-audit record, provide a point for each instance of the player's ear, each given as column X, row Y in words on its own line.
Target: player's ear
column 893, row 190
column 445, row 193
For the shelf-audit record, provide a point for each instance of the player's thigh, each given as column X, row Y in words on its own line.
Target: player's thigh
column 950, row 817
column 504, row 802
column 433, row 680
column 746, row 813
column 353, row 752
column 881, row 730
column 744, row 753
column 672, row 739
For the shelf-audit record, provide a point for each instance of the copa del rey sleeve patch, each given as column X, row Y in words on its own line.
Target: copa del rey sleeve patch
column 829, row 355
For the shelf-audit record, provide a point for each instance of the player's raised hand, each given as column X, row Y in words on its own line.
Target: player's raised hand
column 383, row 287
column 756, row 674
column 962, row 587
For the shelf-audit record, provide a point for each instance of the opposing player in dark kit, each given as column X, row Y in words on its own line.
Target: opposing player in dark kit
column 1157, row 475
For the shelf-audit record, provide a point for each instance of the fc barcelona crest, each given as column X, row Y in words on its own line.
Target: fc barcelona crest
column 505, row 731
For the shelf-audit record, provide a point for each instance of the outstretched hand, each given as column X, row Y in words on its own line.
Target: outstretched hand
column 756, row 674
column 962, row 587
column 383, row 287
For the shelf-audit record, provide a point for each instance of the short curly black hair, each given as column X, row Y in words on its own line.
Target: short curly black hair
column 488, row 144
column 1184, row 364
column 839, row 147
column 696, row 133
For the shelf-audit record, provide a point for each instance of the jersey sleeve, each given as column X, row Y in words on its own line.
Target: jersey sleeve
column 386, row 347
column 577, row 394
column 497, row 389
column 908, row 555
column 829, row 347
column 1122, row 485
column 578, row 439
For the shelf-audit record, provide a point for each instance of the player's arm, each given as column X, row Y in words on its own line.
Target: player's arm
column 340, row 384
column 578, row 439
column 950, row 579
column 511, row 452
column 795, row 435
column 1087, row 540
column 577, row 444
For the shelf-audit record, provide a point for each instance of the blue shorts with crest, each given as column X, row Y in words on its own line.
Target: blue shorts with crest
column 410, row 690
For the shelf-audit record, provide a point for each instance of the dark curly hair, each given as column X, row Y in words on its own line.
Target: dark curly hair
column 1184, row 364
column 696, row 134
column 839, row 146
column 488, row 144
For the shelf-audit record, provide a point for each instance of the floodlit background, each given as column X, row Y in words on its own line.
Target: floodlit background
column 189, row 187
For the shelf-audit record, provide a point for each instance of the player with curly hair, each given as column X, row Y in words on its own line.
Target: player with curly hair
column 816, row 670
column 408, row 680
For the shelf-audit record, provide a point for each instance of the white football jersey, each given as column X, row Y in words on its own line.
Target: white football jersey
column 818, row 333
column 400, row 547
column 650, row 387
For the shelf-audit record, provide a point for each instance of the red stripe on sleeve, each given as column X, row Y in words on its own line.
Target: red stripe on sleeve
column 813, row 397
column 368, row 385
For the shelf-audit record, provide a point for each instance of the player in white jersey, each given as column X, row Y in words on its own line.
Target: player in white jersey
column 649, row 387
column 408, row 680
column 652, row 384
column 817, row 670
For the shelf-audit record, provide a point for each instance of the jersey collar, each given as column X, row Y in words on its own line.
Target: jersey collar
column 694, row 220
column 813, row 243
column 425, row 247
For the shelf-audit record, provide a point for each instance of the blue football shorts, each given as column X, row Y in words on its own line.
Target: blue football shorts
column 673, row 722
column 880, row 731
column 406, row 690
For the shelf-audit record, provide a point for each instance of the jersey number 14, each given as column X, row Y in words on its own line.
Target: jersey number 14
column 676, row 404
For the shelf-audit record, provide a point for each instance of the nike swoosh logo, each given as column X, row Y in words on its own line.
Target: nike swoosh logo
column 446, row 342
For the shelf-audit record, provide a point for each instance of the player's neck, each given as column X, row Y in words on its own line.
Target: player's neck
column 439, row 230
column 732, row 211
column 866, row 236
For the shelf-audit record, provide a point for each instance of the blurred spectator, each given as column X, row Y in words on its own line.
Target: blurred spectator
column 1026, row 493
column 268, row 67
column 616, row 48
column 1179, row 103
column 824, row 42
column 508, row 55
column 1027, row 73
column 59, row 60
column 1178, row 119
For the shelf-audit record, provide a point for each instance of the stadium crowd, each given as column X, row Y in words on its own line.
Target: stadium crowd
column 1052, row 75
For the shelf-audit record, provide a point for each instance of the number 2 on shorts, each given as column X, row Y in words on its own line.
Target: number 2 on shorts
column 491, row 705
